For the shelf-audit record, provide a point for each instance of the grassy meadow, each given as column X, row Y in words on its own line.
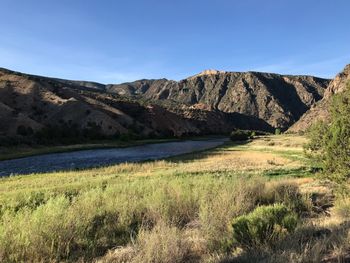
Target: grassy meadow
column 200, row 207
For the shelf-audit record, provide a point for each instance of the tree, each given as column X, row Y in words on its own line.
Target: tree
column 277, row 131
column 330, row 141
column 241, row 135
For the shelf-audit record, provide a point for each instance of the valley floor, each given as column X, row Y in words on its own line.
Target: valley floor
column 175, row 210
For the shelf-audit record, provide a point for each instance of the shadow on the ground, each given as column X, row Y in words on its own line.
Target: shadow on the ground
column 190, row 157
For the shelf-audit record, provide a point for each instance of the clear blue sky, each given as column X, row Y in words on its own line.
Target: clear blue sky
column 124, row 40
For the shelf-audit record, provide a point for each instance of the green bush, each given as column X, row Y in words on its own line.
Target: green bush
column 263, row 226
column 277, row 131
column 330, row 141
column 240, row 135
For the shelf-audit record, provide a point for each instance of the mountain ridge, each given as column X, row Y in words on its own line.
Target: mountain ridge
column 220, row 91
column 204, row 104
column 320, row 110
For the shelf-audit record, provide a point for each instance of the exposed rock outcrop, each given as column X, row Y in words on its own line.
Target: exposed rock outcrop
column 276, row 99
column 212, row 102
column 320, row 110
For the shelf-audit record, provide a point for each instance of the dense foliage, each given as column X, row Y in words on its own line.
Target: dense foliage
column 241, row 135
column 330, row 141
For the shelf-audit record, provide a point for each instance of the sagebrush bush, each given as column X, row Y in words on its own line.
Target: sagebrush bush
column 263, row 226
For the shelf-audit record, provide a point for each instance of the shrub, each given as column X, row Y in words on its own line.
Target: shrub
column 221, row 205
column 277, row 131
column 263, row 226
column 286, row 193
column 240, row 135
column 330, row 142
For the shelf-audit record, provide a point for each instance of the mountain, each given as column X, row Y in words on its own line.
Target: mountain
column 31, row 104
column 276, row 99
column 320, row 110
column 212, row 102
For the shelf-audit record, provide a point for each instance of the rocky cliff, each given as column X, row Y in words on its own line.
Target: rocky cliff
column 319, row 111
column 276, row 99
column 212, row 102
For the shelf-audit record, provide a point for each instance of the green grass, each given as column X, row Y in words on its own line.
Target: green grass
column 179, row 208
column 294, row 173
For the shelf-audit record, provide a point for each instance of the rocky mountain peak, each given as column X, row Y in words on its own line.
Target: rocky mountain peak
column 210, row 72
column 338, row 84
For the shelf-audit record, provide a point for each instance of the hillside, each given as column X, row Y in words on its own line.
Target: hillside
column 276, row 99
column 31, row 104
column 320, row 110
column 212, row 102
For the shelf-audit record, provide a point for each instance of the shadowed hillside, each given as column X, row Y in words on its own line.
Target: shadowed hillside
column 212, row 102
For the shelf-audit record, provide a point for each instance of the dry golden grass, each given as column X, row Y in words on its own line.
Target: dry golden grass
column 164, row 243
column 280, row 142
column 244, row 160
column 264, row 153
column 174, row 210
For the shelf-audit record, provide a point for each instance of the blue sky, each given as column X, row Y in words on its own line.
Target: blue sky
column 118, row 41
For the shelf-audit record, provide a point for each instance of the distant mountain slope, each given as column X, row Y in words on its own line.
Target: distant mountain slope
column 320, row 110
column 276, row 99
column 33, row 104
column 211, row 102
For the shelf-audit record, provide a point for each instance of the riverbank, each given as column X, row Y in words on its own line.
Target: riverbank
column 54, row 162
column 21, row 151
column 15, row 152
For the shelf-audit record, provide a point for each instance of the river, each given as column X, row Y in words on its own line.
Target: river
column 103, row 157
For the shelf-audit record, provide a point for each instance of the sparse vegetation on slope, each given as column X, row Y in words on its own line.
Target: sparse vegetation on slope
column 320, row 111
column 42, row 110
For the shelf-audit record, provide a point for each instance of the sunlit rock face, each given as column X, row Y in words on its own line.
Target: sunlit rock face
column 320, row 111
column 211, row 102
column 276, row 99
